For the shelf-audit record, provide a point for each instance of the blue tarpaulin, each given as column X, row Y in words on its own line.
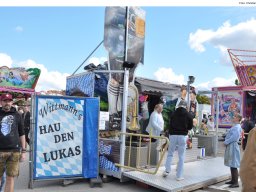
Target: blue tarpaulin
column 81, row 83
column 90, row 144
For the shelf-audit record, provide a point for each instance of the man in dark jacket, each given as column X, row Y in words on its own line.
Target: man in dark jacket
column 180, row 122
column 247, row 126
column 12, row 141
column 26, row 120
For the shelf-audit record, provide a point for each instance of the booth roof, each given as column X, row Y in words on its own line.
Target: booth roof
column 153, row 86
column 18, row 90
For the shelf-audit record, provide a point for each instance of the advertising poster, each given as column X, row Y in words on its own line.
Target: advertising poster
column 124, row 33
column 230, row 104
column 136, row 37
column 251, row 71
column 64, row 135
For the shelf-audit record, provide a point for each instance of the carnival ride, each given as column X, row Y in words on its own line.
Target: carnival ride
column 244, row 62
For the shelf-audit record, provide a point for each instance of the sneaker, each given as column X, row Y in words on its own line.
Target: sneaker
column 165, row 174
column 179, row 178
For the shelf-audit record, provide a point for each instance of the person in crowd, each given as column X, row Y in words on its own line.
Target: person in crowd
column 183, row 93
column 210, row 124
column 144, row 113
column 181, row 122
column 247, row 126
column 20, row 110
column 195, row 127
column 12, row 140
column 203, row 127
column 193, row 106
column 4, row 175
column 248, row 164
column 232, row 151
column 156, row 122
column 193, row 110
column 26, row 120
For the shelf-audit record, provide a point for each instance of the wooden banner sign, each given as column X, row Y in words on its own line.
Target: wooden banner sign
column 19, row 77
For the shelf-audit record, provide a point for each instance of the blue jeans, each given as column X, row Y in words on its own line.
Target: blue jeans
column 3, row 182
column 178, row 141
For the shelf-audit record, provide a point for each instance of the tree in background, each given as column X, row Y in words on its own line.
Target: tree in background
column 237, row 82
column 203, row 99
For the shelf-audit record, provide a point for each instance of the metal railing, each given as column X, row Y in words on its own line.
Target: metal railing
column 148, row 168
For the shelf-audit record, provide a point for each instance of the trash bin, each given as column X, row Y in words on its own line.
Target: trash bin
column 138, row 156
column 201, row 151
column 208, row 142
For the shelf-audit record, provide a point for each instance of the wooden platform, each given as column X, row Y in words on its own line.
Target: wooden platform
column 197, row 174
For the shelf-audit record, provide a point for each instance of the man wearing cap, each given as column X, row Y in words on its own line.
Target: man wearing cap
column 12, row 141
column 180, row 122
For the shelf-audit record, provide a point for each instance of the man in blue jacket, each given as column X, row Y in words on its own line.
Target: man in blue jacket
column 180, row 122
column 12, row 141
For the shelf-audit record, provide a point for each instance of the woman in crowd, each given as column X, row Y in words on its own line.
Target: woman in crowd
column 210, row 124
column 232, row 152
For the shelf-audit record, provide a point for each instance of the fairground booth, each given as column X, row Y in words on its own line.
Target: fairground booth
column 126, row 101
column 241, row 98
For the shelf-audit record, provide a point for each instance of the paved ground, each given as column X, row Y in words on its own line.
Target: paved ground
column 21, row 184
column 80, row 185
column 221, row 187
column 218, row 187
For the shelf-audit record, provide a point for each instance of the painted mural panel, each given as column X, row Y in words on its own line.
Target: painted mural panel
column 230, row 104
column 19, row 77
column 251, row 71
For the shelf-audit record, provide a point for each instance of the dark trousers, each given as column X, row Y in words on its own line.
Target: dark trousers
column 26, row 135
column 244, row 142
column 234, row 175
